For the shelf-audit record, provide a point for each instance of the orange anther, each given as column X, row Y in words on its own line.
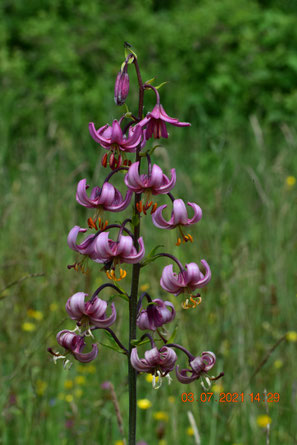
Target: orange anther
column 178, row 242
column 104, row 160
column 123, row 273
column 92, row 224
column 148, row 205
column 105, row 225
column 108, row 275
column 154, row 208
column 190, row 238
column 139, row 206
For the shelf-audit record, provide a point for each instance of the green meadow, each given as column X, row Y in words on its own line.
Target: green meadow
column 231, row 70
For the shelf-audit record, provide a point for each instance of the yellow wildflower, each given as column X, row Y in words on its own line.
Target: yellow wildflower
column 69, row 398
column 291, row 336
column 149, row 378
column 278, row 364
column 80, row 380
column 290, row 181
column 119, row 442
column 144, row 287
column 90, row 369
column 40, row 387
column 171, row 399
column 68, row 384
column 217, row 388
column 162, row 442
column 190, row 431
column 161, row 415
column 263, row 420
column 37, row 315
column 144, row 403
column 53, row 307
column 28, row 327
column 78, row 393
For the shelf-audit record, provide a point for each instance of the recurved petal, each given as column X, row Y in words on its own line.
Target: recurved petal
column 210, row 359
column 171, row 120
column 107, row 194
column 95, row 308
column 192, row 274
column 168, row 358
column 104, row 322
column 102, row 248
column 124, row 246
column 97, row 136
column 156, row 177
column 168, row 184
column 120, row 204
column 137, row 256
column 132, row 178
column 139, row 364
column 197, row 213
column 81, row 194
column 169, row 280
column 87, row 356
column 158, row 219
column 182, row 376
column 207, row 277
column 117, row 134
column 72, row 236
column 152, row 357
column 179, row 213
column 67, row 339
column 75, row 305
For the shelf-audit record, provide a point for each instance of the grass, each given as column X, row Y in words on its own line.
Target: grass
column 247, row 235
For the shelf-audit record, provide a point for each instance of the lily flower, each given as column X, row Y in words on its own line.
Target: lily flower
column 155, row 123
column 106, row 198
column 120, row 251
column 198, row 366
column 179, row 218
column 75, row 344
column 156, row 361
column 94, row 311
column 112, row 137
column 157, row 313
column 121, row 88
column 155, row 183
column 186, row 281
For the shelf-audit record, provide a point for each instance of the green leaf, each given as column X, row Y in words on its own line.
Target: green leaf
column 112, row 344
column 149, row 82
column 139, row 341
column 172, row 336
column 161, row 84
column 151, row 256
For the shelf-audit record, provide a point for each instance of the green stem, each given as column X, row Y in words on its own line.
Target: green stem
column 132, row 373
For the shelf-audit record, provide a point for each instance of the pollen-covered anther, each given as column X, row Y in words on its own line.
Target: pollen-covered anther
column 104, row 160
column 139, row 206
column 92, row 224
column 192, row 303
column 112, row 276
column 154, row 208
column 178, row 242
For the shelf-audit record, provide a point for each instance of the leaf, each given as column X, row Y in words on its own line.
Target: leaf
column 112, row 344
column 172, row 336
column 149, row 82
column 124, row 295
column 151, row 256
column 139, row 341
column 161, row 84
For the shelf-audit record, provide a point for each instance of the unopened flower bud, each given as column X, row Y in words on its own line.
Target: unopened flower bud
column 121, row 88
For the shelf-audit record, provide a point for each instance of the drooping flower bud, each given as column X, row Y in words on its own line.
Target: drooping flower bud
column 121, row 88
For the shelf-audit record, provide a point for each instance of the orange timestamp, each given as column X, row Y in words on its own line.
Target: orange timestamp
column 230, row 397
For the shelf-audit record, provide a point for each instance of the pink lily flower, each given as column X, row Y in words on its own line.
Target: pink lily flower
column 121, row 251
column 112, row 137
column 179, row 215
column 105, row 198
column 156, row 183
column 156, row 314
column 155, row 123
column 187, row 281
column 94, row 310
column 156, row 361
column 198, row 366
column 75, row 344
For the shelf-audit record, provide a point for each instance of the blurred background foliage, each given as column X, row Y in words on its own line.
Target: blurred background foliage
column 231, row 67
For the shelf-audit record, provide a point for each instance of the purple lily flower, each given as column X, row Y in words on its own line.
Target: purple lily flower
column 94, row 310
column 155, row 315
column 198, row 366
column 106, row 198
column 112, row 137
column 155, row 361
column 187, row 281
column 87, row 247
column 179, row 215
column 155, row 123
column 157, row 183
column 75, row 344
column 121, row 251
